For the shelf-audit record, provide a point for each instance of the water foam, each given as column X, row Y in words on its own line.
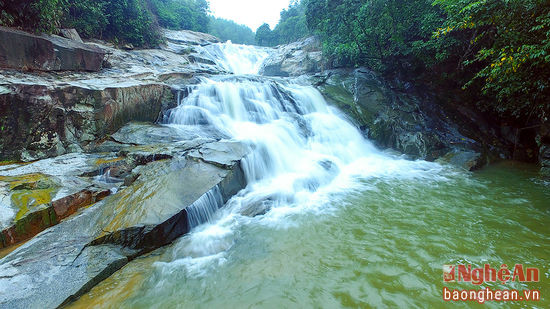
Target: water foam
column 306, row 152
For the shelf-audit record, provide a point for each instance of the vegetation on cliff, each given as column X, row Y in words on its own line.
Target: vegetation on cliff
column 229, row 30
column 498, row 48
column 123, row 21
column 291, row 27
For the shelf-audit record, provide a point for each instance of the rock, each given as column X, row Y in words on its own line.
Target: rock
column 190, row 37
column 128, row 46
column 145, row 134
column 47, row 53
column 222, row 154
column 543, row 141
column 39, row 122
column 401, row 117
column 47, row 215
column 67, row 260
column 56, row 265
column 467, row 160
column 295, row 59
column 33, row 202
column 70, row 34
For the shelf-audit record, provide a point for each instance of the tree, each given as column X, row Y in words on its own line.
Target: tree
column 292, row 25
column 507, row 51
column 382, row 34
column 265, row 37
column 33, row 15
column 229, row 30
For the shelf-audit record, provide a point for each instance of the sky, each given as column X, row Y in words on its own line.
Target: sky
column 252, row 13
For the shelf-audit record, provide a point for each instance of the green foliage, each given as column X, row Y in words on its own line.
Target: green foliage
column 383, row 34
column 88, row 17
column 229, row 30
column 35, row 15
column 131, row 21
column 291, row 27
column 181, row 14
column 507, row 51
column 265, row 37
column 498, row 50
column 123, row 21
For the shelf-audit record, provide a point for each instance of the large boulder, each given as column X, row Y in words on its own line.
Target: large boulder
column 70, row 34
column 37, row 121
column 295, row 59
column 188, row 37
column 36, row 196
column 24, row 51
column 167, row 196
column 398, row 116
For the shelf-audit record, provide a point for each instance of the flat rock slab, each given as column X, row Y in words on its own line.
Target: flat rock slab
column 50, row 268
column 26, row 51
column 136, row 133
column 67, row 260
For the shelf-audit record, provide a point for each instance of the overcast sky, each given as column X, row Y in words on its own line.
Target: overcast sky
column 252, row 13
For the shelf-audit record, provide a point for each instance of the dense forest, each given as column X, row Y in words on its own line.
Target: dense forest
column 291, row 27
column 228, row 30
column 122, row 21
column 493, row 53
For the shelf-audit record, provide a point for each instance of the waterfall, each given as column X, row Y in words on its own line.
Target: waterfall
column 236, row 58
column 301, row 143
column 203, row 209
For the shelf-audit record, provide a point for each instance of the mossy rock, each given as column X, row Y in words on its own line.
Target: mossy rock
column 26, row 201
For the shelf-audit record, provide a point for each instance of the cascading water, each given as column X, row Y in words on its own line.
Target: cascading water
column 303, row 148
column 236, row 58
column 204, row 208
column 327, row 220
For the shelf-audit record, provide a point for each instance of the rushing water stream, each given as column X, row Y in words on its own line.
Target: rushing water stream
column 328, row 220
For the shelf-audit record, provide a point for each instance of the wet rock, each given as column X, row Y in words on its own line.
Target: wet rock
column 47, row 53
column 70, row 34
column 543, row 140
column 403, row 118
column 190, row 37
column 259, row 208
column 545, row 161
column 39, row 122
column 222, row 154
column 36, row 196
column 68, row 259
column 146, row 133
column 57, row 265
column 35, row 205
column 467, row 160
column 295, row 59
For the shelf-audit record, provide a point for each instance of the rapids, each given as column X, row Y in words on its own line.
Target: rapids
column 327, row 219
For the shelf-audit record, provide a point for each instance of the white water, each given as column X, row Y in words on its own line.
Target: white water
column 305, row 154
column 236, row 58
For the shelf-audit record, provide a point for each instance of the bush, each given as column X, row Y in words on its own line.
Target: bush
column 32, row 15
column 122, row 21
column 181, row 14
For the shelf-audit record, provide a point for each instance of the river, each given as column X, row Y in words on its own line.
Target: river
column 327, row 219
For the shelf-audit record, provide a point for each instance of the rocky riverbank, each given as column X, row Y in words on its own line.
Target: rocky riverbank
column 89, row 180
column 414, row 121
column 86, row 186
column 157, row 182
